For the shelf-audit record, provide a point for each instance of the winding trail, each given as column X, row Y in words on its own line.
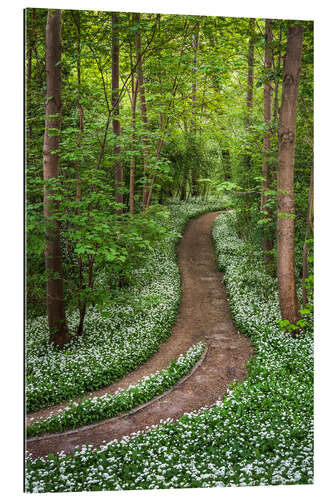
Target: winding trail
column 204, row 315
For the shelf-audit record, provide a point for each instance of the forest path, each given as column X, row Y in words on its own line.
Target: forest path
column 204, row 315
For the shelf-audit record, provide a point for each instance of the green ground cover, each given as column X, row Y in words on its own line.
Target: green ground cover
column 95, row 409
column 140, row 317
column 260, row 434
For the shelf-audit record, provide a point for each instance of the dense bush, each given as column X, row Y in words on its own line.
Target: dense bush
column 260, row 434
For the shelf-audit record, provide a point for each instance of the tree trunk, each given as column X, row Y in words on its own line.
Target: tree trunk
column 287, row 140
column 184, row 184
column 309, row 227
column 195, row 167
column 31, row 44
column 115, row 108
column 132, row 166
column 183, row 191
column 276, row 87
column 267, row 242
column 195, row 47
column 250, row 63
column 226, row 164
column 249, row 109
column 55, row 289
column 83, row 304
column 82, row 288
column 143, row 108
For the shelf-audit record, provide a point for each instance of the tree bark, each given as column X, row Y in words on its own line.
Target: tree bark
column 55, row 289
column 31, row 45
column 82, row 287
column 286, row 208
column 309, row 227
column 195, row 47
column 183, row 185
column 276, row 87
column 143, row 108
column 132, row 166
column 115, row 107
column 226, row 164
column 249, row 109
column 250, row 64
column 267, row 242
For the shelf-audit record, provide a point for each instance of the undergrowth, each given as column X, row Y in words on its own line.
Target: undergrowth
column 119, row 339
column 95, row 409
column 260, row 434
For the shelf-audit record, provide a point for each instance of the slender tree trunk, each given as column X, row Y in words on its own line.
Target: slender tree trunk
column 115, row 107
column 226, row 164
column 83, row 304
column 80, row 108
column 195, row 47
column 184, row 184
column 164, row 126
column 309, row 227
column 287, row 141
column 250, row 71
column 55, row 289
column 82, row 287
column 106, row 129
column 249, row 109
column 132, row 166
column 32, row 45
column 267, row 242
column 276, row 86
column 183, row 190
column 158, row 154
column 143, row 108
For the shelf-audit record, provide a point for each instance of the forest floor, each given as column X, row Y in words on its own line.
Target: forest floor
column 204, row 316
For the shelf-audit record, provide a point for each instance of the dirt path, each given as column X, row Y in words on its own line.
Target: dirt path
column 204, row 315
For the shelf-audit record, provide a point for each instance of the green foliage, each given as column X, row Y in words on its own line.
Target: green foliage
column 260, row 434
column 122, row 331
column 203, row 138
column 122, row 267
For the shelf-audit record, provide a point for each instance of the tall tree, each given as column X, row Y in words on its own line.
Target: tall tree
column 31, row 46
column 133, row 99
column 82, row 300
column 286, row 207
column 195, row 47
column 115, row 107
column 250, row 71
column 53, row 262
column 267, row 242
column 276, row 86
column 249, row 112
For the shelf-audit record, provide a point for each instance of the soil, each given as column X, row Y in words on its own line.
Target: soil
column 204, row 315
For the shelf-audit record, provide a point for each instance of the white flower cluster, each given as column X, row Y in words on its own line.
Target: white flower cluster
column 109, row 405
column 260, row 434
